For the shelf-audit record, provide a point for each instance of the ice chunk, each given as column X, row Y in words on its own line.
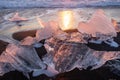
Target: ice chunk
column 116, row 25
column 49, row 72
column 37, row 45
column 67, row 56
column 28, row 41
column 61, row 35
column 95, row 41
column 44, row 33
column 112, row 43
column 48, row 31
column 99, row 23
column 16, row 18
column 21, row 58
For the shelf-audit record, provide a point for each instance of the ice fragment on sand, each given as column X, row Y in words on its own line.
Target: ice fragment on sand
column 28, row 41
column 16, row 18
column 99, row 23
column 49, row 72
column 67, row 56
column 21, row 58
column 112, row 43
column 48, row 31
column 100, row 27
column 37, row 45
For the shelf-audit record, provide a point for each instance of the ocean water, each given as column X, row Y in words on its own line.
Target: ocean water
column 57, row 3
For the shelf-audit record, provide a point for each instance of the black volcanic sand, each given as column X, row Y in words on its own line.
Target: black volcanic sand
column 3, row 46
column 13, row 75
column 102, row 73
column 21, row 35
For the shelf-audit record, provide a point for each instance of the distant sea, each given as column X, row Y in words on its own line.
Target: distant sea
column 58, row 3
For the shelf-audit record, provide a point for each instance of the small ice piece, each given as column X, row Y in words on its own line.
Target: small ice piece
column 48, row 47
column 37, row 45
column 17, row 18
column 37, row 72
column 61, row 35
column 112, row 43
column 28, row 41
column 114, row 22
column 116, row 25
column 48, row 31
column 96, row 41
column 49, row 72
column 44, row 33
column 42, row 24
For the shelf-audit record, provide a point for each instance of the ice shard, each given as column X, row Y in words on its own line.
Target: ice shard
column 64, row 56
column 100, row 27
column 16, row 18
column 49, row 30
column 98, row 24
column 21, row 58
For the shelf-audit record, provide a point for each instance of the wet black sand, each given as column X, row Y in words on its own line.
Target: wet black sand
column 3, row 46
column 102, row 73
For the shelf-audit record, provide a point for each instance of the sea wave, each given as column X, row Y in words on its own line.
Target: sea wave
column 57, row 3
